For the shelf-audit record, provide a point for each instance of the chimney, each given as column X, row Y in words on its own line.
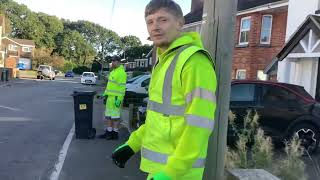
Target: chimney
column 196, row 5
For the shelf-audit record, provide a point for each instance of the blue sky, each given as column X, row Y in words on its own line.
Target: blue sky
column 127, row 19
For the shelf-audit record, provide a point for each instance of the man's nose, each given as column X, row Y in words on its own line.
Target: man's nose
column 155, row 27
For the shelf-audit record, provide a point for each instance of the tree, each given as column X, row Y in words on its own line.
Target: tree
column 53, row 26
column 137, row 52
column 104, row 41
column 130, row 41
column 72, row 46
column 25, row 23
column 41, row 56
column 57, row 62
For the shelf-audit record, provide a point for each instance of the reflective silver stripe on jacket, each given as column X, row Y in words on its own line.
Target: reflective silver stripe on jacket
column 166, row 109
column 115, row 82
column 163, row 158
column 201, row 93
column 117, row 92
column 200, row 122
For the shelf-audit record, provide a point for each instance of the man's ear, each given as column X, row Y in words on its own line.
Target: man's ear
column 181, row 22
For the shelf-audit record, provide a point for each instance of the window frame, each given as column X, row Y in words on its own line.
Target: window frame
column 25, row 47
column 266, row 76
column 241, row 70
column 262, row 29
column 11, row 47
column 244, row 30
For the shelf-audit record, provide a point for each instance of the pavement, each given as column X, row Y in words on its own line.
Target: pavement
column 91, row 159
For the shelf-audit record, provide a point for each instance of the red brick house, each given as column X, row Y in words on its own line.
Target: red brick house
column 259, row 34
column 14, row 51
column 18, row 51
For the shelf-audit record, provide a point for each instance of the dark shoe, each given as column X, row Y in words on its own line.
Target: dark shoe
column 112, row 136
column 103, row 136
column 115, row 135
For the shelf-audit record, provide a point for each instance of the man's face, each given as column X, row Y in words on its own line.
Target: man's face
column 163, row 27
column 115, row 64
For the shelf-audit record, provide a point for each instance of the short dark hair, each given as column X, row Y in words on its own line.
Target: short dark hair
column 170, row 5
column 116, row 58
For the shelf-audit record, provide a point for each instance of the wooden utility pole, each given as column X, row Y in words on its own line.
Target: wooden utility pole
column 218, row 37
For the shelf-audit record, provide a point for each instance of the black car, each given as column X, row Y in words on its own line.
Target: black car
column 284, row 110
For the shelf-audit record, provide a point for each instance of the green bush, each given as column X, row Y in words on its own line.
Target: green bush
column 80, row 69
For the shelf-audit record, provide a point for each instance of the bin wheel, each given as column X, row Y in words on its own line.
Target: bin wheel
column 92, row 133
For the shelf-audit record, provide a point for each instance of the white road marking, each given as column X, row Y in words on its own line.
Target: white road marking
column 14, row 119
column 62, row 156
column 10, row 108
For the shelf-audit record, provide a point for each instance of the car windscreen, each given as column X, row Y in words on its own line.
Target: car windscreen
column 133, row 79
column 139, row 80
column 43, row 67
column 88, row 75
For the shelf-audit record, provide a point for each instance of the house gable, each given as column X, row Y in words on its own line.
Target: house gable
column 305, row 40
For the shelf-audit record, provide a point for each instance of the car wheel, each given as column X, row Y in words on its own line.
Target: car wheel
column 309, row 136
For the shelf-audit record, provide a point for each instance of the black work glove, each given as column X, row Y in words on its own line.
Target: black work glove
column 105, row 101
column 121, row 155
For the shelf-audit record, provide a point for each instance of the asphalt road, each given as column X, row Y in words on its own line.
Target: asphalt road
column 35, row 120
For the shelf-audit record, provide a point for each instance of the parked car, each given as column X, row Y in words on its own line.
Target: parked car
column 69, row 74
column 45, row 71
column 129, row 81
column 88, row 78
column 139, row 84
column 284, row 110
column 137, row 90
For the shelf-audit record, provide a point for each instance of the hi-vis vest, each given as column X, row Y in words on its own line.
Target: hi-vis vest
column 167, row 116
column 116, row 82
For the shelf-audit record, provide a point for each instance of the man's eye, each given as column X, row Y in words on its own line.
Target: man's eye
column 163, row 20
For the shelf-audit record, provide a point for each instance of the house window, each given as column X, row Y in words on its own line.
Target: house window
column 13, row 47
column 261, row 75
column 26, row 49
column 241, row 74
column 244, row 31
column 266, row 29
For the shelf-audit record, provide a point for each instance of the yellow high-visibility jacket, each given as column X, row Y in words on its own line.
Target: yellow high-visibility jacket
column 116, row 82
column 180, row 112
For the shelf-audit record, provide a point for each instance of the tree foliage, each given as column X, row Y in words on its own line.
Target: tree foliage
column 130, row 41
column 137, row 52
column 78, row 42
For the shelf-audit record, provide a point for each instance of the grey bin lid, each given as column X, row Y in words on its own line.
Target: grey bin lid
column 84, row 93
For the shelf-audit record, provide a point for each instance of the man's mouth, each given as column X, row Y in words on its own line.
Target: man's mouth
column 157, row 35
